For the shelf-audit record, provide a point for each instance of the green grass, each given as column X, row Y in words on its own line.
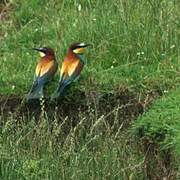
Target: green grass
column 161, row 123
column 135, row 42
column 161, row 126
column 135, row 46
column 40, row 151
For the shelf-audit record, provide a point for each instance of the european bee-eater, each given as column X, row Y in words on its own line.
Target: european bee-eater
column 45, row 71
column 71, row 67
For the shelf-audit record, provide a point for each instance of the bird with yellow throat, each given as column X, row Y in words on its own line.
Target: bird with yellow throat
column 71, row 68
column 45, row 71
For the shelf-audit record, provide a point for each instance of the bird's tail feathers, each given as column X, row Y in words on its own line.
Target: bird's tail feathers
column 58, row 91
column 36, row 93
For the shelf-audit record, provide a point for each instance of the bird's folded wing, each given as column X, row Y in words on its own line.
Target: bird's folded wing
column 68, row 67
column 70, row 70
column 44, row 67
column 73, row 67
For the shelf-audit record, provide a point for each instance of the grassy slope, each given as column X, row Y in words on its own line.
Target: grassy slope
column 162, row 118
column 161, row 125
column 135, row 45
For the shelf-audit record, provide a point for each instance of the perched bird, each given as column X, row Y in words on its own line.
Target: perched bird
column 45, row 71
column 71, row 67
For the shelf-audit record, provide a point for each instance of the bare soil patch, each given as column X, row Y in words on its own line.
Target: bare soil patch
column 122, row 103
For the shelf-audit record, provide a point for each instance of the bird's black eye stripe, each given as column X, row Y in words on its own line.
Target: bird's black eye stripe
column 78, row 47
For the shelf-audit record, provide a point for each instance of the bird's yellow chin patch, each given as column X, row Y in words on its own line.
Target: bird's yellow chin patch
column 79, row 50
column 41, row 54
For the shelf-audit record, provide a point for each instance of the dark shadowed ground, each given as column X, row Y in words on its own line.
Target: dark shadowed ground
column 127, row 105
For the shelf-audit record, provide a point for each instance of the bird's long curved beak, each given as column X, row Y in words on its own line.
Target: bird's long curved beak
column 37, row 49
column 40, row 50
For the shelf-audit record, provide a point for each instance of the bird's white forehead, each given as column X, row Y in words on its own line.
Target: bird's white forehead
column 82, row 44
